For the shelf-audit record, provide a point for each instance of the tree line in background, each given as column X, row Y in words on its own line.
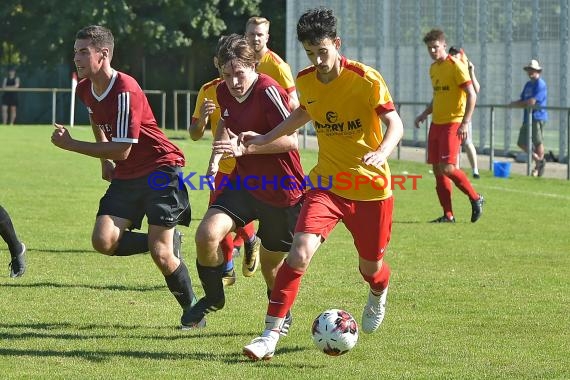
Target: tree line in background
column 164, row 44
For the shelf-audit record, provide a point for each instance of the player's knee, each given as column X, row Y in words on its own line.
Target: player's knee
column 102, row 245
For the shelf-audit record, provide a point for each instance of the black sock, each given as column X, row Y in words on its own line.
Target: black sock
column 180, row 285
column 211, row 278
column 9, row 234
column 132, row 243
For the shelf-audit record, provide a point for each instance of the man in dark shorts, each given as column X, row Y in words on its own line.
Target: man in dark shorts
column 137, row 158
column 10, row 98
column 265, row 185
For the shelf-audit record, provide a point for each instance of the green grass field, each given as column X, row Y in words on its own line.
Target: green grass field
column 485, row 300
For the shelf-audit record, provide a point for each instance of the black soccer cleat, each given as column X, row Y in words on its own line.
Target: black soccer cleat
column 443, row 219
column 287, row 322
column 477, row 208
column 193, row 316
column 18, row 264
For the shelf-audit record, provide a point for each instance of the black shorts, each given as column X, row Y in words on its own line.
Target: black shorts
column 132, row 199
column 276, row 224
column 10, row 99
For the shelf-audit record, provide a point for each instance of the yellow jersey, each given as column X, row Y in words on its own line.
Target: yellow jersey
column 448, row 79
column 271, row 64
column 345, row 114
column 208, row 91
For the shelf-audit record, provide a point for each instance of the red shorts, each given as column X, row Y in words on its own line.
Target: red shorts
column 369, row 222
column 443, row 143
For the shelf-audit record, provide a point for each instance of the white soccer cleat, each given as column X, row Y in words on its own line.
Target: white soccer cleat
column 374, row 312
column 261, row 348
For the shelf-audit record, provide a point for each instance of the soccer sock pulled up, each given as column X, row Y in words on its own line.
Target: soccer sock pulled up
column 132, row 243
column 211, row 278
column 443, row 189
column 379, row 280
column 180, row 285
column 287, row 283
column 462, row 182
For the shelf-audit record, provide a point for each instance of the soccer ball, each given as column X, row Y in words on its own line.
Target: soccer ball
column 335, row 332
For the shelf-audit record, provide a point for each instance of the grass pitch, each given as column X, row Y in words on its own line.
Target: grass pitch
column 483, row 300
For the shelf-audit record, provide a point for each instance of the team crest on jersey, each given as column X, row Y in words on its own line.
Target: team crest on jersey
column 334, row 126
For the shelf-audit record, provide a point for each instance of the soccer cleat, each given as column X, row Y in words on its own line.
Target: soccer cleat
column 477, row 208
column 229, row 277
column 374, row 311
column 193, row 326
column 443, row 219
column 476, row 175
column 177, row 243
column 250, row 257
column 193, row 316
column 261, row 348
column 540, row 165
column 18, row 264
column 287, row 322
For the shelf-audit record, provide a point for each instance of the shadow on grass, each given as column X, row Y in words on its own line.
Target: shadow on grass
column 97, row 330
column 99, row 356
column 55, row 250
column 86, row 286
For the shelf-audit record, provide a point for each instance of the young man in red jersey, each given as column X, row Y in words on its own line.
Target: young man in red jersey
column 451, row 107
column 255, row 190
column 207, row 110
column 268, row 62
column 137, row 158
column 347, row 102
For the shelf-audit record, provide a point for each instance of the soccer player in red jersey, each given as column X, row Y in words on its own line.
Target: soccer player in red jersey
column 207, row 110
column 451, row 107
column 137, row 158
column 347, row 102
column 256, row 190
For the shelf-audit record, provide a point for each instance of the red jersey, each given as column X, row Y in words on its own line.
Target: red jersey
column 122, row 112
column 272, row 178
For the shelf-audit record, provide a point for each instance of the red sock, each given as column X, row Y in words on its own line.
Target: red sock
column 245, row 233
column 443, row 188
column 287, row 283
column 462, row 182
column 227, row 247
column 379, row 280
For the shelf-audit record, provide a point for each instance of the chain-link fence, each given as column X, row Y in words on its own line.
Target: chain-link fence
column 499, row 37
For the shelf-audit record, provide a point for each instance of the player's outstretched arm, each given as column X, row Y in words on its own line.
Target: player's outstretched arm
column 294, row 121
column 107, row 150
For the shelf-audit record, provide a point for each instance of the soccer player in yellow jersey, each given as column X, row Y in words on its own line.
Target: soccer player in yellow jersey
column 451, row 107
column 269, row 63
column 346, row 101
column 207, row 110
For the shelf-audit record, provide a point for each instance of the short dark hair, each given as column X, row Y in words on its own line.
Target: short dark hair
column 434, row 35
column 235, row 48
column 316, row 25
column 100, row 37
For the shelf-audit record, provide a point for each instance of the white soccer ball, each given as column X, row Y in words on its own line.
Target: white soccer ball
column 335, row 332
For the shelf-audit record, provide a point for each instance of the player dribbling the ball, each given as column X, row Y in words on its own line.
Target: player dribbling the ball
column 345, row 92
